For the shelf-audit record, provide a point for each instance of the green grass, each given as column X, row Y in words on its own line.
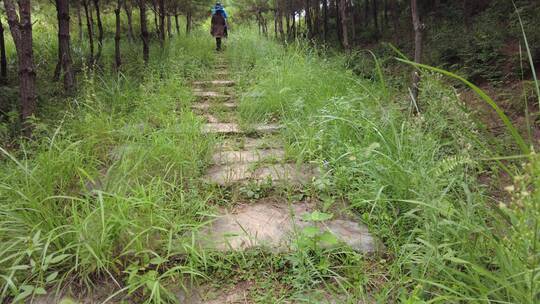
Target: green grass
column 109, row 178
column 108, row 191
column 414, row 180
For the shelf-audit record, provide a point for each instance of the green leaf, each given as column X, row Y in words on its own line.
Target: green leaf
column 51, row 277
column 40, row 291
column 311, row 231
column 317, row 216
column 157, row 261
column 59, row 258
column 329, row 239
column 27, row 291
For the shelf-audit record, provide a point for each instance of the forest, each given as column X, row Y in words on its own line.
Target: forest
column 334, row 151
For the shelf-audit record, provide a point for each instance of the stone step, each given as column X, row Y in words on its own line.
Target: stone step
column 221, row 73
column 220, row 83
column 211, row 94
column 275, row 226
column 205, row 106
column 248, row 143
column 210, row 118
column 233, row 128
column 243, row 173
column 247, row 156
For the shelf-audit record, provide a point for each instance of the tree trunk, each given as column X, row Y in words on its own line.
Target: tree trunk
column 145, row 36
column 129, row 17
column 293, row 15
column 288, row 24
column 90, row 29
column 3, row 57
column 64, row 46
column 169, row 25
column 339, row 29
column 156, row 22
column 117, row 57
column 375, row 12
column 162, row 22
column 325, row 16
column 100, row 29
column 21, row 30
column 189, row 20
column 316, row 19
column 80, row 21
column 466, row 16
column 177, row 22
column 352, row 15
column 366, row 13
column 418, row 28
column 308, row 19
column 343, row 16
column 280, row 25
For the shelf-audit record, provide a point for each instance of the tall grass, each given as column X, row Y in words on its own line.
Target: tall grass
column 414, row 180
column 108, row 180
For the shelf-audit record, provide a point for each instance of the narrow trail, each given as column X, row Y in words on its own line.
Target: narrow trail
column 254, row 155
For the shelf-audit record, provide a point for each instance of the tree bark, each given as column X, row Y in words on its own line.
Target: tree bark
column 64, row 46
column 169, row 25
column 308, row 19
column 100, row 29
column 3, row 57
column 342, row 8
column 20, row 25
column 90, row 30
column 117, row 36
column 156, row 19
column 129, row 16
column 79, row 21
column 339, row 29
column 145, row 36
column 325, row 16
column 189, row 20
column 418, row 28
column 177, row 22
column 375, row 12
column 162, row 22
column 467, row 16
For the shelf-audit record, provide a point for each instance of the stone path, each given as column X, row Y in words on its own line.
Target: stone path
column 245, row 157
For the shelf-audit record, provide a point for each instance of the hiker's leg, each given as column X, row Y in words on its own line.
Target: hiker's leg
column 218, row 43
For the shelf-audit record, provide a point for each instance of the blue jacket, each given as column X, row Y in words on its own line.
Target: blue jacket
column 217, row 8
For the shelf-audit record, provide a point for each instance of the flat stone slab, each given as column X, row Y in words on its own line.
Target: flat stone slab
column 205, row 106
column 249, row 143
column 275, row 226
column 210, row 118
column 222, row 128
column 220, row 83
column 247, row 156
column 210, row 94
column 242, row 173
column 221, row 72
column 233, row 128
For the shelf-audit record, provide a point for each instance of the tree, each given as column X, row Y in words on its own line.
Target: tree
column 100, row 29
column 64, row 46
column 20, row 24
column 418, row 27
column 129, row 17
column 145, row 36
column 3, row 58
column 90, row 30
column 343, row 20
column 117, row 36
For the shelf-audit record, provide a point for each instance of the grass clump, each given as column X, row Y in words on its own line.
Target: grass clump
column 413, row 179
column 104, row 188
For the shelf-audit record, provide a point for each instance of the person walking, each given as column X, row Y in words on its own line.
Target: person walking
column 219, row 25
